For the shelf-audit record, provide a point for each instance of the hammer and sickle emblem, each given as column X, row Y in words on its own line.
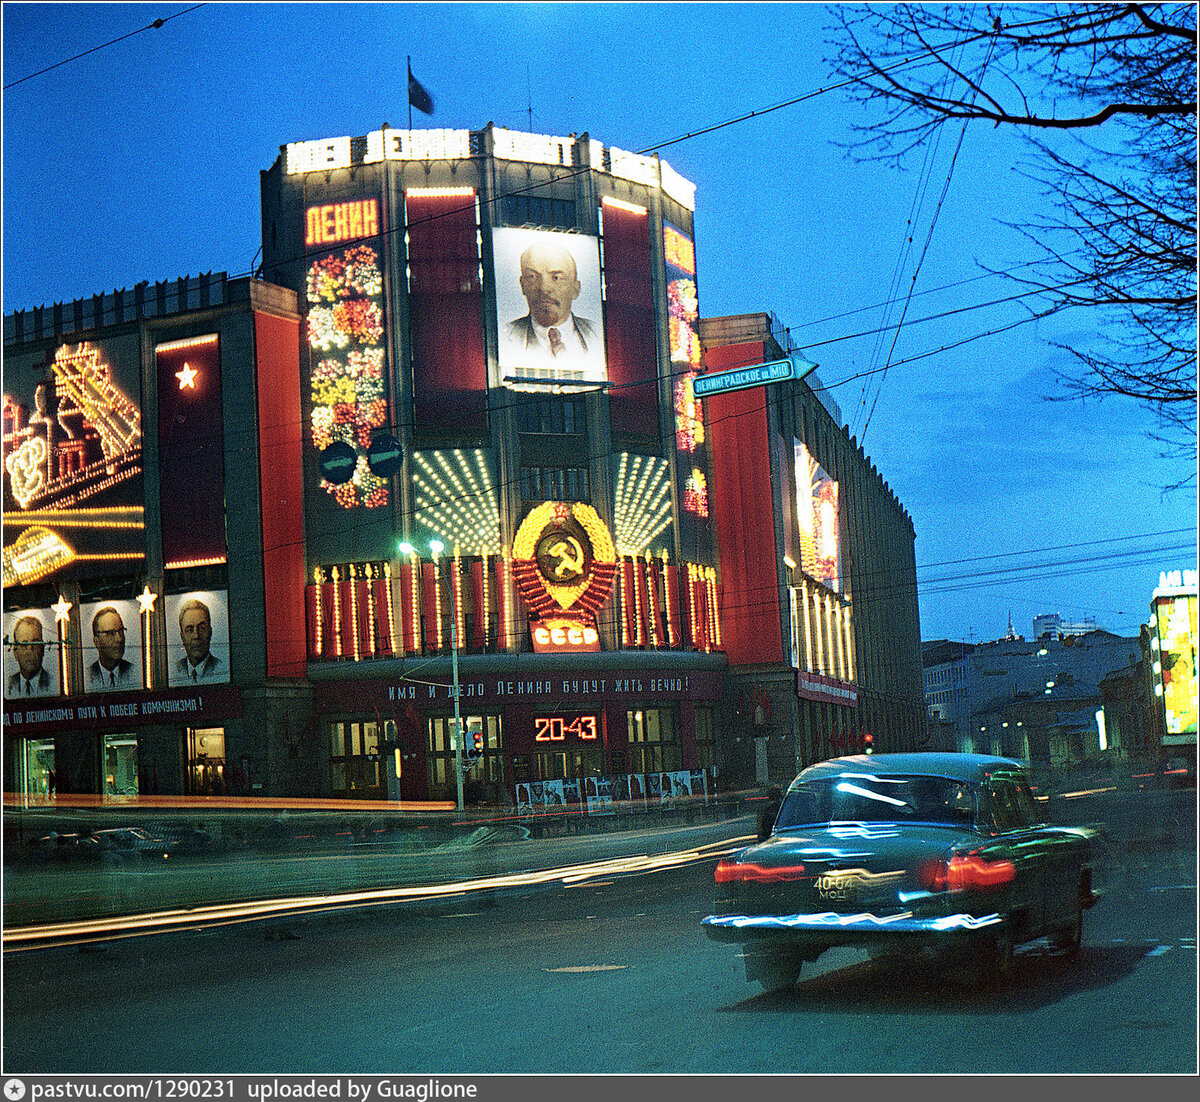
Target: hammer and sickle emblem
column 569, row 556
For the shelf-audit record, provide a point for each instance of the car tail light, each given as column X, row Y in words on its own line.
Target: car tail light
column 962, row 872
column 732, row 872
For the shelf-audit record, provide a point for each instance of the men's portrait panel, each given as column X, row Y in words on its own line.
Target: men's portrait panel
column 112, row 646
column 549, row 309
column 197, row 638
column 30, row 661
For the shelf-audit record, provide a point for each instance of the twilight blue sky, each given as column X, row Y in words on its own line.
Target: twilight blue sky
column 140, row 161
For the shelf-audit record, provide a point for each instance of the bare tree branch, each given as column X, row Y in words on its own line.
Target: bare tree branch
column 1118, row 234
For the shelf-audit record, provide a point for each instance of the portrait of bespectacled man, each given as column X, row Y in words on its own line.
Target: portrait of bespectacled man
column 27, row 635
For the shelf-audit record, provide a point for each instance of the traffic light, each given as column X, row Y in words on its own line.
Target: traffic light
column 868, row 742
column 474, row 741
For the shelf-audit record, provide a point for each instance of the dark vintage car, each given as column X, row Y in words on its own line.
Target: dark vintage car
column 904, row 852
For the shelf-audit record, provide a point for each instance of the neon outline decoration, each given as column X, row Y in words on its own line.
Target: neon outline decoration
column 90, row 411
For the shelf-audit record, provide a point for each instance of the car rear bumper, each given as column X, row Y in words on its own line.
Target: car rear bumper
column 835, row 929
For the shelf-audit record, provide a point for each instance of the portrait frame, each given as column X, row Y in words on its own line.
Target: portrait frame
column 217, row 603
column 50, row 655
column 530, row 371
column 133, row 677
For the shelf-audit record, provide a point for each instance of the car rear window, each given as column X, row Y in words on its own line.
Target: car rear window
column 870, row 798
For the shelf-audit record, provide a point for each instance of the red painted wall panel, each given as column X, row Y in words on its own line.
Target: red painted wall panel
column 191, row 460
column 744, row 513
column 280, row 437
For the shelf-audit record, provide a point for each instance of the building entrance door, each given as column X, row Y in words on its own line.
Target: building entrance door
column 36, row 766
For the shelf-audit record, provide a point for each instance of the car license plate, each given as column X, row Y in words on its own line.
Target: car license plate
column 837, row 886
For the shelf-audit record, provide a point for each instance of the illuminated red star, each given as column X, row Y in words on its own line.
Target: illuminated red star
column 187, row 377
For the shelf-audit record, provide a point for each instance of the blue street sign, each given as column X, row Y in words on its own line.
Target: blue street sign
column 794, row 367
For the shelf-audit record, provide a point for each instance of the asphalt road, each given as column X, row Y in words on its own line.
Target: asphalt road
column 605, row 975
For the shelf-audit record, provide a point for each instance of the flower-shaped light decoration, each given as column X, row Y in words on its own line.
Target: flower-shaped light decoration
column 347, row 386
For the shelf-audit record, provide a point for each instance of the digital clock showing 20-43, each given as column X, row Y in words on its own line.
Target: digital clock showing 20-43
column 562, row 728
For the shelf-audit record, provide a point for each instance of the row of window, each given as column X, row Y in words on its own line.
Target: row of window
column 357, row 762
column 945, row 675
column 122, row 774
column 552, row 415
column 536, row 210
column 556, row 484
column 651, row 745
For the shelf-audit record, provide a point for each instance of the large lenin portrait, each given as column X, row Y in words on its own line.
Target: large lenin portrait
column 549, row 307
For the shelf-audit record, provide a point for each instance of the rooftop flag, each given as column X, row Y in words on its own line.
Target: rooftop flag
column 418, row 97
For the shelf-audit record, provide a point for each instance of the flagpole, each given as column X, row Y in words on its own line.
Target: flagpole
column 408, row 92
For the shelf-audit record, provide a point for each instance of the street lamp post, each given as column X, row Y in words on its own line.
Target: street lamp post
column 436, row 546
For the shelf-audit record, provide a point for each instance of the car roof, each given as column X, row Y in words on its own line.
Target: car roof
column 963, row 767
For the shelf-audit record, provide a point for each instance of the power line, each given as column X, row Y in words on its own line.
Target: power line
column 1056, row 547
column 156, row 25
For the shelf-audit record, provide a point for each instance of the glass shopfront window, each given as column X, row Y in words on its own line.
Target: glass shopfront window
column 120, row 765
column 356, row 768
column 489, row 771
column 562, row 765
column 206, row 761
column 653, row 741
column 35, row 764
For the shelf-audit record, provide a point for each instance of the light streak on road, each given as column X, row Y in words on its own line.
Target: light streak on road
column 191, row 918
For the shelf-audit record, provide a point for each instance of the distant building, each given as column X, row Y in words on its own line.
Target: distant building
column 1052, row 624
column 945, row 676
column 1035, row 700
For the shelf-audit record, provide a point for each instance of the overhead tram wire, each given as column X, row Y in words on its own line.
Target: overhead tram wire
column 914, row 214
column 649, row 149
column 928, row 241
column 1056, row 547
column 154, row 26
column 646, row 150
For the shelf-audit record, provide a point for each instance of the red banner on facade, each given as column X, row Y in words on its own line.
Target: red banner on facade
column 815, row 686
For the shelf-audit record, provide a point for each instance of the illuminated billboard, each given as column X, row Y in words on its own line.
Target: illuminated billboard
column 72, row 464
column 549, row 310
column 683, row 308
column 817, row 516
column 347, row 386
column 1175, row 668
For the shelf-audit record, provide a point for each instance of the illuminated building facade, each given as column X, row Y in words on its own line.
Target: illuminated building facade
column 818, row 571
column 505, row 470
column 147, row 441
column 448, row 437
column 1173, row 633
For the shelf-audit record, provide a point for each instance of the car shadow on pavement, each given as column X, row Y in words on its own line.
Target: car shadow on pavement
column 1040, row 977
